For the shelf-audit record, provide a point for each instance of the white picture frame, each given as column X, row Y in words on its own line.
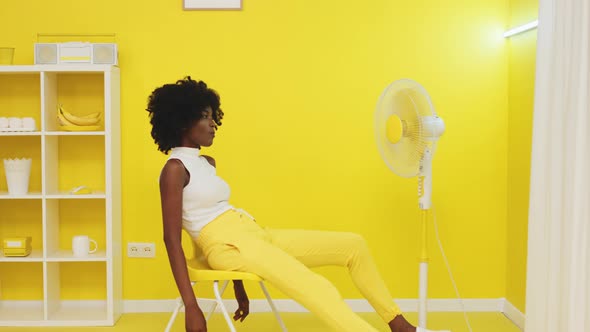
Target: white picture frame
column 212, row 4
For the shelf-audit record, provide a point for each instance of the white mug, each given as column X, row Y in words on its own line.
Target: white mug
column 81, row 246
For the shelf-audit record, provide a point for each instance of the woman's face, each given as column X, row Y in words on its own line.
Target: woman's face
column 202, row 131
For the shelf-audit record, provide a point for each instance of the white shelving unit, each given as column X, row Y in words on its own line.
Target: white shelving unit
column 51, row 287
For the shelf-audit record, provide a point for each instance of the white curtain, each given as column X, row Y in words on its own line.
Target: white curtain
column 558, row 271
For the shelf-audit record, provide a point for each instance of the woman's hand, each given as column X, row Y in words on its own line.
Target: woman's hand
column 194, row 320
column 243, row 302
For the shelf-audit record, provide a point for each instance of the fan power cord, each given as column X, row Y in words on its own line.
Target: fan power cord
column 442, row 251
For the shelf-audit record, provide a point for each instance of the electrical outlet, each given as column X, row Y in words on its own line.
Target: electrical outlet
column 141, row 249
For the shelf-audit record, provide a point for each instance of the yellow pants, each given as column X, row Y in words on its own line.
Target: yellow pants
column 235, row 242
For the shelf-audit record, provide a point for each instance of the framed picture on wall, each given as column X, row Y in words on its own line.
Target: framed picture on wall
column 211, row 4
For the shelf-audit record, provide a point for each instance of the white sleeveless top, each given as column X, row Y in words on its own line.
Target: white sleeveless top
column 206, row 195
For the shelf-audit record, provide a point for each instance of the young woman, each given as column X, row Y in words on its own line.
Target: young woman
column 184, row 117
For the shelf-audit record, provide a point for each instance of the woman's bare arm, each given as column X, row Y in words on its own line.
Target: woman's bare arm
column 172, row 181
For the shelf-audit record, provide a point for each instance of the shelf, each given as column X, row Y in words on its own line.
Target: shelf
column 20, row 96
column 20, row 133
column 52, row 133
column 67, row 256
column 76, row 291
column 12, row 147
column 18, row 70
column 60, row 195
column 77, row 68
column 75, row 133
column 73, row 161
column 31, row 195
column 66, row 195
column 18, row 313
column 79, row 311
column 21, row 282
column 67, row 218
column 22, row 217
column 51, row 287
column 80, row 93
column 70, row 313
column 36, row 255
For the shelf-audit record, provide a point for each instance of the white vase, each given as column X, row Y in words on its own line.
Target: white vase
column 17, row 172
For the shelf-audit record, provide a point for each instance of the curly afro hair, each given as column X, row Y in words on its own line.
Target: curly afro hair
column 173, row 108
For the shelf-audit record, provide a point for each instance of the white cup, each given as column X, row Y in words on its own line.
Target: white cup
column 29, row 123
column 15, row 123
column 81, row 246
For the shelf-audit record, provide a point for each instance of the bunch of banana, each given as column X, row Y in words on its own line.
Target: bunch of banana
column 74, row 122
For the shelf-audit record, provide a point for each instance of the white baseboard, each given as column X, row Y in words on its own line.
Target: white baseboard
column 512, row 313
column 287, row 305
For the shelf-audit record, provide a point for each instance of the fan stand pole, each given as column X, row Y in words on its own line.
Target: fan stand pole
column 423, row 285
column 424, row 194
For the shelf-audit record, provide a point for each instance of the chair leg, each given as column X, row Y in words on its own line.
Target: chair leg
column 273, row 307
column 215, row 304
column 174, row 313
column 223, row 309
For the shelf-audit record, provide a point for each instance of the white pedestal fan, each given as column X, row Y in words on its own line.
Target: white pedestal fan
column 407, row 129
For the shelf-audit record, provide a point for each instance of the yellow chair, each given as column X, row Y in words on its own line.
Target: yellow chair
column 200, row 271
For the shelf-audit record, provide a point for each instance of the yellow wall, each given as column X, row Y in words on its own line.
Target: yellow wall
column 520, row 120
column 299, row 81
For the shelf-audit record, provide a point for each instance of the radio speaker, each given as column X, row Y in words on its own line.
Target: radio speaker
column 104, row 54
column 46, row 54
